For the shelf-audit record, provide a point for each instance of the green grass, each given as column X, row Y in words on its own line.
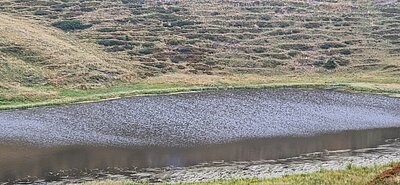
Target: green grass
column 350, row 176
column 68, row 96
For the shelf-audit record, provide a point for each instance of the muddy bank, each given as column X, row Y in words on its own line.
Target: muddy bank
column 200, row 118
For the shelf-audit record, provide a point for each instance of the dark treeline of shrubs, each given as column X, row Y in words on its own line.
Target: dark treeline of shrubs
column 71, row 25
column 329, row 45
column 110, row 42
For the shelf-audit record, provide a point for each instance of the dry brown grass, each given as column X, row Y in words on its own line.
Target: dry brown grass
column 62, row 58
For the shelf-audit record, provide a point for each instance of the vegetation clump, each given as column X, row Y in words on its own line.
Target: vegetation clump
column 107, row 42
column 330, row 64
column 71, row 25
column 329, row 45
column 107, row 30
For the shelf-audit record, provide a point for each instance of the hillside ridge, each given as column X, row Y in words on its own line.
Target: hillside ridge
column 50, row 45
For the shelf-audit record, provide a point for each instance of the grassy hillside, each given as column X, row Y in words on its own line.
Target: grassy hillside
column 31, row 54
column 60, row 49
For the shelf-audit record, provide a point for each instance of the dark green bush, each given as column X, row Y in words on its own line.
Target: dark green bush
column 330, row 64
column 174, row 42
column 70, row 25
column 393, row 10
column 210, row 37
column 178, row 58
column 41, row 12
column 162, row 17
column 148, row 45
column 86, row 9
column 345, row 52
column 107, row 30
column 319, row 63
column 294, row 53
column 259, row 50
column 183, row 23
column 148, row 51
column 329, row 45
column 211, row 62
column 312, row 25
column 110, row 42
column 265, row 17
column 184, row 50
column 116, row 49
column 284, row 32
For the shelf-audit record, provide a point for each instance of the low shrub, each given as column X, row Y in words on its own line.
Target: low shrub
column 41, row 12
column 334, row 62
column 345, row 52
column 106, row 42
column 148, row 45
column 148, row 51
column 178, row 58
column 174, row 42
column 312, row 25
column 294, row 53
column 259, row 50
column 179, row 23
column 107, row 30
column 329, row 45
column 330, row 64
column 71, row 25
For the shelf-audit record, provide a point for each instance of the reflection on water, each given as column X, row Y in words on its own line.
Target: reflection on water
column 18, row 161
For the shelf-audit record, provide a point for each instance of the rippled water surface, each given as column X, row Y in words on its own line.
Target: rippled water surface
column 188, row 129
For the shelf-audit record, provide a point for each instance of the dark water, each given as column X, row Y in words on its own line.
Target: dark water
column 188, row 129
column 18, row 162
column 200, row 118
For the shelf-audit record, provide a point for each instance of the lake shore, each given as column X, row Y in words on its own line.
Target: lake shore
column 212, row 117
column 219, row 172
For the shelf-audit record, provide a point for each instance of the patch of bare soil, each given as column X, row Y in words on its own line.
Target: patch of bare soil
column 390, row 176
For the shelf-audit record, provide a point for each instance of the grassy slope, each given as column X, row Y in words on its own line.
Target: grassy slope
column 135, row 49
column 34, row 56
column 349, row 176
